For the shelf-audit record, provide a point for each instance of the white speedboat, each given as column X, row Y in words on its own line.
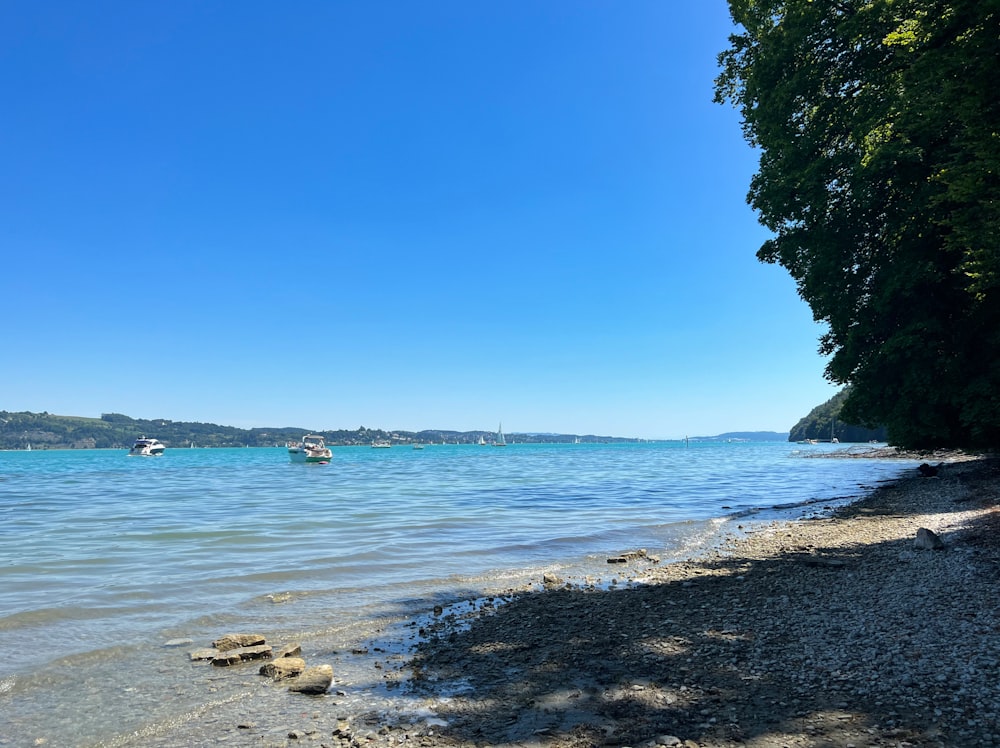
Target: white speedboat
column 146, row 447
column 312, row 448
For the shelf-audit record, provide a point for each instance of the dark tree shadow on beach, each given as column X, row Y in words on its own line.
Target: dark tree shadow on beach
column 824, row 646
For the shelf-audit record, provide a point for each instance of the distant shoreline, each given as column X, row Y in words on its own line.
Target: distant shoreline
column 113, row 430
column 516, row 439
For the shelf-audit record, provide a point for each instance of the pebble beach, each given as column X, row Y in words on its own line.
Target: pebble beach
column 836, row 630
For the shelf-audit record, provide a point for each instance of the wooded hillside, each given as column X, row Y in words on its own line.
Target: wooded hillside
column 113, row 430
column 823, row 423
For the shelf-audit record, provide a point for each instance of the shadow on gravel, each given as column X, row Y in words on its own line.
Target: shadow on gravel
column 816, row 647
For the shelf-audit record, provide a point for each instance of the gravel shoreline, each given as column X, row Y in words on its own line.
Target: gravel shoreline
column 835, row 631
column 832, row 631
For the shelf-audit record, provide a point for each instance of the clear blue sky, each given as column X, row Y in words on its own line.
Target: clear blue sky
column 390, row 214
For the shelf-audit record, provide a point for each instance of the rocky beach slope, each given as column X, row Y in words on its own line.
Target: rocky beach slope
column 833, row 631
column 854, row 627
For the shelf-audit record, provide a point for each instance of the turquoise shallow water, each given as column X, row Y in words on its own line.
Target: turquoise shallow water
column 104, row 557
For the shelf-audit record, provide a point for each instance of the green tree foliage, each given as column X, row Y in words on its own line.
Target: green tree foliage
column 825, row 423
column 878, row 124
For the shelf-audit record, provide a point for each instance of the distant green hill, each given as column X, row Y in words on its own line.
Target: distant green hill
column 116, row 431
column 823, row 423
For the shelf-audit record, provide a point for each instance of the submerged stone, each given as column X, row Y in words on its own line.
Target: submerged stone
column 314, row 680
column 283, row 667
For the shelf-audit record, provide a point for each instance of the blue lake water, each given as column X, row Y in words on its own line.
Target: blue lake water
column 105, row 557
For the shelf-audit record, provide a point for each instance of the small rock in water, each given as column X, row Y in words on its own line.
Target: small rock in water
column 243, row 654
column 283, row 667
column 206, row 653
column 314, row 680
column 236, row 641
column 289, row 650
column 225, row 659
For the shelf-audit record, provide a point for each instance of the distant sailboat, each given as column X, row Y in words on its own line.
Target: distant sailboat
column 500, row 441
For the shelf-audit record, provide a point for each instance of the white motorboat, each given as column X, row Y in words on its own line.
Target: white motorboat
column 146, row 447
column 381, row 444
column 312, row 448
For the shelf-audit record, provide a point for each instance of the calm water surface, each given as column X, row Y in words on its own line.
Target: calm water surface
column 104, row 558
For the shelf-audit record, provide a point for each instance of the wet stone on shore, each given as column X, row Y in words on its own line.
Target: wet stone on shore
column 286, row 664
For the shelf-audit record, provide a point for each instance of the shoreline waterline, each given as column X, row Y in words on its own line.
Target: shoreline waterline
column 806, row 616
column 115, row 652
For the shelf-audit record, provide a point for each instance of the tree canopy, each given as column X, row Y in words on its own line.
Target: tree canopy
column 878, row 127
